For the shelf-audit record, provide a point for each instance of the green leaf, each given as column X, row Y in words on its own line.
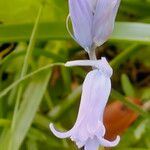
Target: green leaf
column 31, row 144
column 23, row 11
column 127, row 31
column 124, row 55
column 29, row 106
column 138, row 32
column 25, row 65
column 66, row 79
column 32, row 98
column 36, row 135
column 46, row 31
column 146, row 93
column 139, row 131
column 127, row 86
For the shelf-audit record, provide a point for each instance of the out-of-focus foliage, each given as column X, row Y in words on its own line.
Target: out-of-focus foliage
column 25, row 11
column 36, row 45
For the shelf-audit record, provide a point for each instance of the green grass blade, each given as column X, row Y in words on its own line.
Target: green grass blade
column 116, row 95
column 31, row 145
column 139, row 32
column 32, row 98
column 124, row 55
column 5, row 91
column 20, row 32
column 28, row 108
column 127, row 86
column 25, row 65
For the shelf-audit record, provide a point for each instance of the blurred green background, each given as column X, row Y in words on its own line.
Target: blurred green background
column 36, row 88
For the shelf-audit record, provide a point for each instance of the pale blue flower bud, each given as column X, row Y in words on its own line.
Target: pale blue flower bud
column 93, row 21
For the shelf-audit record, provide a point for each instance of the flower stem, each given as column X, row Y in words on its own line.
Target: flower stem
column 92, row 54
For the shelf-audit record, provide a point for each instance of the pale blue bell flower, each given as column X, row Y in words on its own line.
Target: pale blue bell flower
column 92, row 21
column 88, row 130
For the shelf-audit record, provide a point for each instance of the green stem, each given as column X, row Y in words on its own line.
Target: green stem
column 48, row 100
column 92, row 54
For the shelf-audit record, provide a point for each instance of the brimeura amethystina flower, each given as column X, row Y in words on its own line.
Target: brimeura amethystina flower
column 92, row 21
column 89, row 131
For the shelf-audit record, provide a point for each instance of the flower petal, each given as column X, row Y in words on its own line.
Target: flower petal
column 59, row 134
column 107, row 143
column 92, row 4
column 99, row 96
column 104, row 19
column 92, row 63
column 101, row 64
column 92, row 144
column 81, row 16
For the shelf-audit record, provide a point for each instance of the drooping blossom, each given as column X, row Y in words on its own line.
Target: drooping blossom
column 88, row 130
column 92, row 21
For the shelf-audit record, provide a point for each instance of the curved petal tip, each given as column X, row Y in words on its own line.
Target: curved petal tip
column 107, row 143
column 59, row 134
column 116, row 141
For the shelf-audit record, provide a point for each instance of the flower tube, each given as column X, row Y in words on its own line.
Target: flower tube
column 88, row 130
